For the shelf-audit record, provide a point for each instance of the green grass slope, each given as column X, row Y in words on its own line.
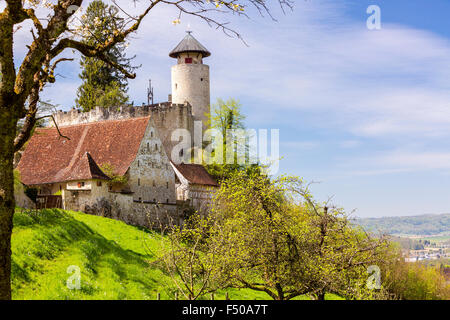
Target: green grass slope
column 110, row 254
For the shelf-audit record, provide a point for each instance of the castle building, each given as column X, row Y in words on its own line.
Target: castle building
column 117, row 161
column 190, row 77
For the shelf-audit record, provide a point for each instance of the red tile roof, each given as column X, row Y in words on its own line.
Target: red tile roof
column 85, row 169
column 195, row 174
column 49, row 158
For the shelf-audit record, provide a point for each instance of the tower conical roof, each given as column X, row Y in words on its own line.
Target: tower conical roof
column 189, row 44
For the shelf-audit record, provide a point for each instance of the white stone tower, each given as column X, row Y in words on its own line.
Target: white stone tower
column 190, row 77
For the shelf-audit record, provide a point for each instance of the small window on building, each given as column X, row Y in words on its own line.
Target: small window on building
column 167, row 185
column 201, row 79
column 167, row 200
column 80, row 184
column 181, row 152
column 187, row 60
column 151, row 134
column 176, row 86
column 138, row 163
column 110, row 188
column 154, row 184
column 154, row 200
column 99, row 183
column 139, row 182
column 140, row 199
column 156, row 147
column 60, row 187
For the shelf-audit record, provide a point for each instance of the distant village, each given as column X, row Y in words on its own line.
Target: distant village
column 427, row 250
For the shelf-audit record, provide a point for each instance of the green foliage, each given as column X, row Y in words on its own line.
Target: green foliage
column 90, row 96
column 17, row 181
column 225, row 117
column 413, row 281
column 190, row 258
column 103, row 85
column 272, row 241
column 111, row 172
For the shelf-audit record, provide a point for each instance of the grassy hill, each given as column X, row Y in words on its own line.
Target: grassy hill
column 425, row 225
column 111, row 255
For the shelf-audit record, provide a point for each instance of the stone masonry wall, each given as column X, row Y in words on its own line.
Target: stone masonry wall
column 151, row 177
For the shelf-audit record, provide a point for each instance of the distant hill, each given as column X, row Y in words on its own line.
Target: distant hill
column 425, row 225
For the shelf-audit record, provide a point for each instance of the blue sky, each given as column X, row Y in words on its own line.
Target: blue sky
column 366, row 114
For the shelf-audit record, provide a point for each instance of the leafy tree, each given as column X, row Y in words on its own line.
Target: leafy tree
column 52, row 33
column 412, row 280
column 103, row 85
column 187, row 256
column 271, row 241
column 226, row 117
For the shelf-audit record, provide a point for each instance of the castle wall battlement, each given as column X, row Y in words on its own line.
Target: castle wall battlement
column 159, row 110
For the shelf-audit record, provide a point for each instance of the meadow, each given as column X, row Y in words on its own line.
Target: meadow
column 116, row 260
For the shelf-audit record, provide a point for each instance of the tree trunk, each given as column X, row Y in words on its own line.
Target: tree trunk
column 321, row 295
column 7, row 134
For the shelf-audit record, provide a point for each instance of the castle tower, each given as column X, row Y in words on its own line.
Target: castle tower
column 190, row 77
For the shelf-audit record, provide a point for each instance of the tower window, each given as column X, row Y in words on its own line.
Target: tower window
column 139, row 182
column 201, row 79
column 188, row 60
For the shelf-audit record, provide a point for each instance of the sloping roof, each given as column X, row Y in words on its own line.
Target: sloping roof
column 195, row 174
column 49, row 158
column 189, row 44
column 85, row 169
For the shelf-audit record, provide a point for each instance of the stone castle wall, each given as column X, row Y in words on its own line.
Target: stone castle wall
column 151, row 177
